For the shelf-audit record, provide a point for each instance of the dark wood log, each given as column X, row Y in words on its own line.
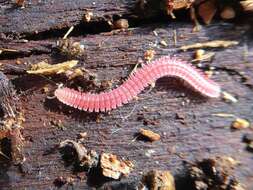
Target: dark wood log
column 185, row 120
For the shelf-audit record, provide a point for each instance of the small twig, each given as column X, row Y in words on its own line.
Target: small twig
column 68, row 32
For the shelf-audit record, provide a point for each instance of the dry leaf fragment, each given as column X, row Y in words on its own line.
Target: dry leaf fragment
column 114, row 168
column 207, row 10
column 152, row 136
column 47, row 69
column 210, row 44
column 158, row 180
column 240, row 123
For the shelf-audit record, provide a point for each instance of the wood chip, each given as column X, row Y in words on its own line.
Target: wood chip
column 87, row 16
column 229, row 97
column 152, row 136
column 46, row 69
column 205, row 57
column 164, row 43
column 240, row 123
column 7, row 50
column 114, row 168
column 157, row 180
column 88, row 159
column 120, row 24
column 210, row 44
column 227, row 13
column 149, row 55
column 247, row 5
column 225, row 115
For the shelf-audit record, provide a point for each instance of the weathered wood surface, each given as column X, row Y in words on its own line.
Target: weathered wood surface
column 57, row 14
column 112, row 56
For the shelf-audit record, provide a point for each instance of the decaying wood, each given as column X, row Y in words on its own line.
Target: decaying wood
column 187, row 123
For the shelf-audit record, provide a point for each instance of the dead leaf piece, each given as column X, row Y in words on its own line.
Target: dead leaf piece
column 158, row 180
column 210, row 44
column 114, row 168
column 150, row 135
column 207, row 11
column 47, row 69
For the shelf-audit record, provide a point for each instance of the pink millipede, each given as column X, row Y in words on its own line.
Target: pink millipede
column 165, row 66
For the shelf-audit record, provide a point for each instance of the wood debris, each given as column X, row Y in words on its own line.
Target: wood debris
column 225, row 115
column 149, row 55
column 200, row 55
column 47, row 69
column 87, row 159
column 248, row 137
column 228, row 12
column 120, row 24
column 164, row 43
column 67, row 46
column 207, row 10
column 210, row 44
column 114, row 168
column 247, row 5
column 157, row 180
column 152, row 136
column 7, row 50
column 87, row 16
column 172, row 5
column 214, row 173
column 20, row 3
column 240, row 123
column 82, row 135
column 12, row 120
column 197, row 26
column 229, row 97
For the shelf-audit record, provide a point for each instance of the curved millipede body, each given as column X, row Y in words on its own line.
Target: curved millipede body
column 165, row 66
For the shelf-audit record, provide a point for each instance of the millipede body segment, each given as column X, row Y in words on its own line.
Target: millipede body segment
column 165, row 66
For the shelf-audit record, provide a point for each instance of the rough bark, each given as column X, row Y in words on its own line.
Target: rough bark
column 184, row 119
